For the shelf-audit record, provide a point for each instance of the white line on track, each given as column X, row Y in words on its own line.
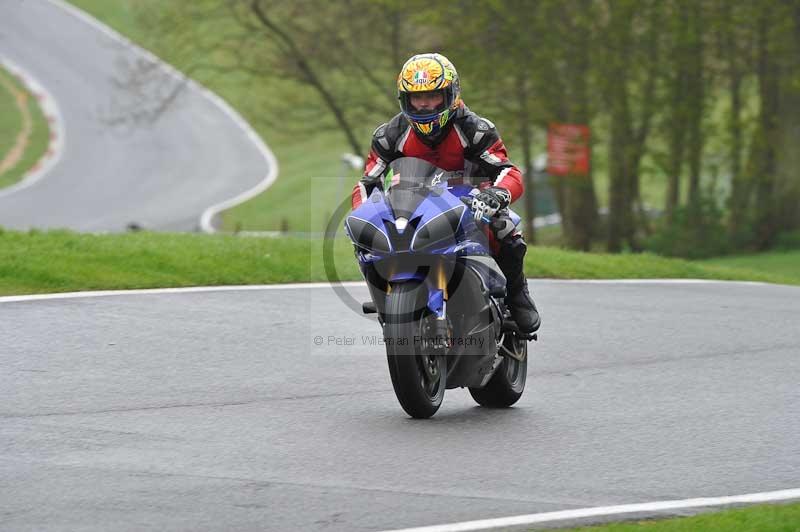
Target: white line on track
column 184, row 290
column 346, row 284
column 659, row 281
column 605, row 511
column 207, row 217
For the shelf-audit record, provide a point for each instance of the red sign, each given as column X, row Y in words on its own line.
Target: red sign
column 568, row 150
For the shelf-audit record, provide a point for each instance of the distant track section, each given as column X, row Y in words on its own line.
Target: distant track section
column 142, row 144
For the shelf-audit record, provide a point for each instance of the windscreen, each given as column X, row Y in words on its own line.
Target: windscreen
column 409, row 182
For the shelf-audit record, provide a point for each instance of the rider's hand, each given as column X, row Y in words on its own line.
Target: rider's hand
column 488, row 201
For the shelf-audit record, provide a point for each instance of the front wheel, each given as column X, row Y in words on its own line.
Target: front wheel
column 418, row 373
column 508, row 382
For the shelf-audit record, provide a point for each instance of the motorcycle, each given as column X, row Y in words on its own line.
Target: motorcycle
column 437, row 291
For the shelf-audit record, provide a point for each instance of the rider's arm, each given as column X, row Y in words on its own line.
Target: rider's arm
column 489, row 153
column 380, row 155
column 374, row 171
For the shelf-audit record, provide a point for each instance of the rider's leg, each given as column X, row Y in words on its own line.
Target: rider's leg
column 510, row 256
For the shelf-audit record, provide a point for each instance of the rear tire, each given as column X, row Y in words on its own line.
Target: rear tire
column 508, row 382
column 419, row 379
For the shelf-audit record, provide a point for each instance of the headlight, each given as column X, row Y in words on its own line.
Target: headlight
column 439, row 229
column 367, row 235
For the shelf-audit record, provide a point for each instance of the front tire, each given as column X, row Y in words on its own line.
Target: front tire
column 418, row 377
column 508, row 382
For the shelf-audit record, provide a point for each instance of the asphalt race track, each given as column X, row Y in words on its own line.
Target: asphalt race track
column 119, row 166
column 218, row 411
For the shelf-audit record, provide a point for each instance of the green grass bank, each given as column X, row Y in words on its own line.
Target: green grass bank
column 62, row 261
column 17, row 156
column 782, row 263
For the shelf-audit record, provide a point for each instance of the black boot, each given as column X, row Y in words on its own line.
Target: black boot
column 518, row 298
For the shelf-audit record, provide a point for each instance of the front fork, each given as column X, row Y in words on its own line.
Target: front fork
column 435, row 275
column 436, row 281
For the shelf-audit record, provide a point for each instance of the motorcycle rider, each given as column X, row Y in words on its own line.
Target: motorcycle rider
column 435, row 125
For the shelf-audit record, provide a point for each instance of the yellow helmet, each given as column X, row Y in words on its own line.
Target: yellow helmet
column 428, row 73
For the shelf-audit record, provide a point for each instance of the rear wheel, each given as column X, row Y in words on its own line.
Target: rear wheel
column 418, row 372
column 508, row 382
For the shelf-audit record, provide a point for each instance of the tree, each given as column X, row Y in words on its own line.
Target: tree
column 563, row 79
column 632, row 51
column 695, row 102
column 302, row 50
column 735, row 50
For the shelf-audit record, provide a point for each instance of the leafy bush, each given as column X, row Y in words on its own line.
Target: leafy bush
column 788, row 240
column 692, row 235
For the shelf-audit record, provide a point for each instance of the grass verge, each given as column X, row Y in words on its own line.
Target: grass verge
column 783, row 263
column 61, row 261
column 764, row 518
column 11, row 124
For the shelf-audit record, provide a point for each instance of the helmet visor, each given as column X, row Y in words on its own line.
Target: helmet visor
column 426, row 105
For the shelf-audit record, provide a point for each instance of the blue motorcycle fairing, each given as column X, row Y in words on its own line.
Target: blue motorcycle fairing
column 452, row 235
column 374, row 212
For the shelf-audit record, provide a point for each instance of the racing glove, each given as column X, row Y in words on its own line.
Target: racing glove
column 489, row 201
